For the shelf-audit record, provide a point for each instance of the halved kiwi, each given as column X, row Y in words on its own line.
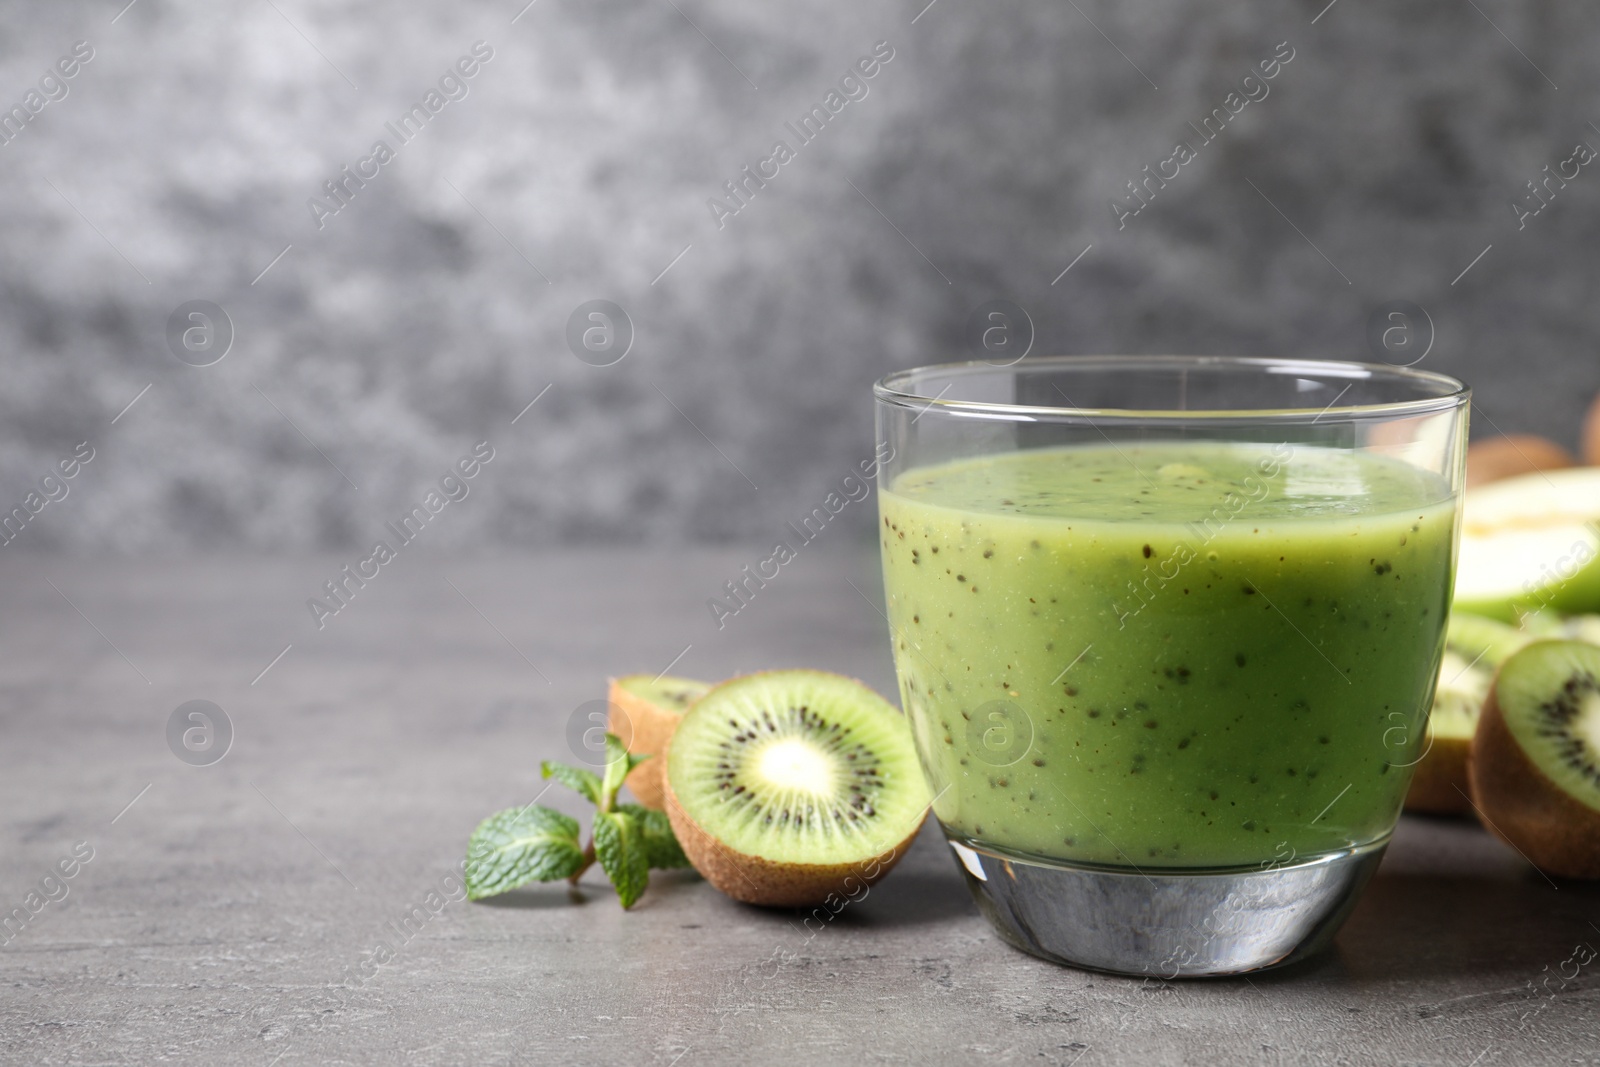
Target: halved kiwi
column 644, row 711
column 1474, row 647
column 787, row 786
column 1440, row 784
column 1535, row 764
column 1483, row 641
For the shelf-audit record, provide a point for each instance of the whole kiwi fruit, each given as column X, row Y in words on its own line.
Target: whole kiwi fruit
column 645, row 709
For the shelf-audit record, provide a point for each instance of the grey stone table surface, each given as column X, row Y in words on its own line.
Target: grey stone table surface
column 234, row 913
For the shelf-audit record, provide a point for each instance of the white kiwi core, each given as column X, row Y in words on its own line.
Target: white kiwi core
column 795, row 765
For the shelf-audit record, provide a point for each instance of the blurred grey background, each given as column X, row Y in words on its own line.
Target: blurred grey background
column 576, row 164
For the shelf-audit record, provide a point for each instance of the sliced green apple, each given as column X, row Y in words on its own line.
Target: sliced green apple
column 1530, row 544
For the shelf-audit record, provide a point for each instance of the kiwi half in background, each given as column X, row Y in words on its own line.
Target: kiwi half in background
column 1474, row 647
column 1439, row 785
column 644, row 712
column 1535, row 763
column 1487, row 643
column 784, row 787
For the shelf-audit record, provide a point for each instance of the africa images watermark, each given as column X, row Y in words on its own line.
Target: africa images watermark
column 852, row 87
column 852, row 490
column 453, row 85
column 1582, row 955
column 1253, row 88
column 852, row 890
column 52, row 889
column 342, row 587
column 1234, row 911
column 397, row 934
column 1539, row 592
column 1540, row 193
column 1159, row 575
column 52, row 87
column 51, row 489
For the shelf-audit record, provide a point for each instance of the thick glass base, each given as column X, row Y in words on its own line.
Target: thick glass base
column 1167, row 923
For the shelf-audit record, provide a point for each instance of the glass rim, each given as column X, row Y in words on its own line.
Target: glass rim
column 896, row 389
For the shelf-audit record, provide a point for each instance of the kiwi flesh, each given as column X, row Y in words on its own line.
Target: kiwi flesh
column 1439, row 785
column 1535, row 759
column 1483, row 641
column 645, row 709
column 1474, row 647
column 786, row 787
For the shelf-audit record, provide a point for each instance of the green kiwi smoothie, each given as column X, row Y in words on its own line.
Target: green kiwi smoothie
column 1168, row 655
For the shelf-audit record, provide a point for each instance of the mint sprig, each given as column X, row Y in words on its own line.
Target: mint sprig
column 522, row 845
column 619, row 844
column 538, row 844
column 585, row 783
column 660, row 844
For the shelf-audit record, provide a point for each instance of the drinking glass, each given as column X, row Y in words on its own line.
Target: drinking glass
column 1167, row 631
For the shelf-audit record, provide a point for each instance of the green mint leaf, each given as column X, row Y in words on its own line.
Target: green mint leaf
column 587, row 783
column 661, row 846
column 619, row 761
column 518, row 846
column 619, row 846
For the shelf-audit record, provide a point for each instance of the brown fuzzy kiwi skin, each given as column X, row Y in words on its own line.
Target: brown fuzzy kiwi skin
column 1506, row 457
column 1439, row 786
column 644, row 728
column 765, row 882
column 1524, row 808
column 1591, row 434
